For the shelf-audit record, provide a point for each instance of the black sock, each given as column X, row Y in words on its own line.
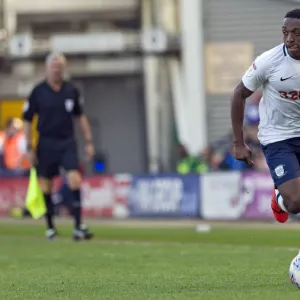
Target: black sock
column 50, row 211
column 77, row 208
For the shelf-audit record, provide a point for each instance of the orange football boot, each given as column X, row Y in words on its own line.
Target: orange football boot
column 280, row 215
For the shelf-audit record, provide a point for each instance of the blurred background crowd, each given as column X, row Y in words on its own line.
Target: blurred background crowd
column 218, row 156
column 13, row 158
column 156, row 77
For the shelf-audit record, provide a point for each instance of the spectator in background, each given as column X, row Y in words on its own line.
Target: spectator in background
column 219, row 155
column 219, row 159
column 222, row 157
column 251, row 131
column 14, row 149
column 251, row 125
column 2, row 139
column 189, row 163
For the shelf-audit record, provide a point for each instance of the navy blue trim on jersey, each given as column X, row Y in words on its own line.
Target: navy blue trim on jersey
column 284, row 50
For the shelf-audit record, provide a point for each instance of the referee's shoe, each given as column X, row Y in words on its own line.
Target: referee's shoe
column 82, row 234
column 78, row 234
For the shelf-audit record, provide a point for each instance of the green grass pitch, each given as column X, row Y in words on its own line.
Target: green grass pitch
column 141, row 263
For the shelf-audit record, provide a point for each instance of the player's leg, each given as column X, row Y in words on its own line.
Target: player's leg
column 74, row 183
column 48, row 162
column 46, row 186
column 288, row 197
column 66, row 197
column 70, row 163
column 81, row 231
column 285, row 171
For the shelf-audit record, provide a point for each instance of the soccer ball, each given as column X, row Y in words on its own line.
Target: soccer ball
column 294, row 271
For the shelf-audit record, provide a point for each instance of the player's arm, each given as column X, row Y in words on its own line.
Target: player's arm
column 84, row 126
column 81, row 117
column 29, row 110
column 240, row 94
column 255, row 76
column 87, row 134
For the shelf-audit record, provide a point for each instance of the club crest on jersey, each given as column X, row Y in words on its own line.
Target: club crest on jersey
column 279, row 171
column 69, row 105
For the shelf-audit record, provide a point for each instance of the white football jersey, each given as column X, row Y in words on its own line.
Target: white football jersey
column 279, row 108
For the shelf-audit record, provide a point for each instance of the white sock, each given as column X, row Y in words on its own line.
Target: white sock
column 280, row 201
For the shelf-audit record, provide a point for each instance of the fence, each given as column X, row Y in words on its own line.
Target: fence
column 213, row 196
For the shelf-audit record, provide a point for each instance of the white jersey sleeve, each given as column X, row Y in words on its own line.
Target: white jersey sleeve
column 258, row 73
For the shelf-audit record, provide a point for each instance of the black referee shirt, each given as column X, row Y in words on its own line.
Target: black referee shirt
column 55, row 110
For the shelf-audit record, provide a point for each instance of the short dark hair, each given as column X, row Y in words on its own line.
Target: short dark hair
column 293, row 14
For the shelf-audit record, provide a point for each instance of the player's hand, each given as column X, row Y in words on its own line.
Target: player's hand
column 243, row 153
column 32, row 157
column 89, row 151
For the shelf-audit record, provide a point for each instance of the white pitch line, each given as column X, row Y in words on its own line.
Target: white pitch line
column 231, row 247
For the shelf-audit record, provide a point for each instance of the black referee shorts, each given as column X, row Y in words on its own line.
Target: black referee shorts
column 53, row 154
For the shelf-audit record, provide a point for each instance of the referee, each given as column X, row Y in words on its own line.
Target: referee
column 57, row 104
